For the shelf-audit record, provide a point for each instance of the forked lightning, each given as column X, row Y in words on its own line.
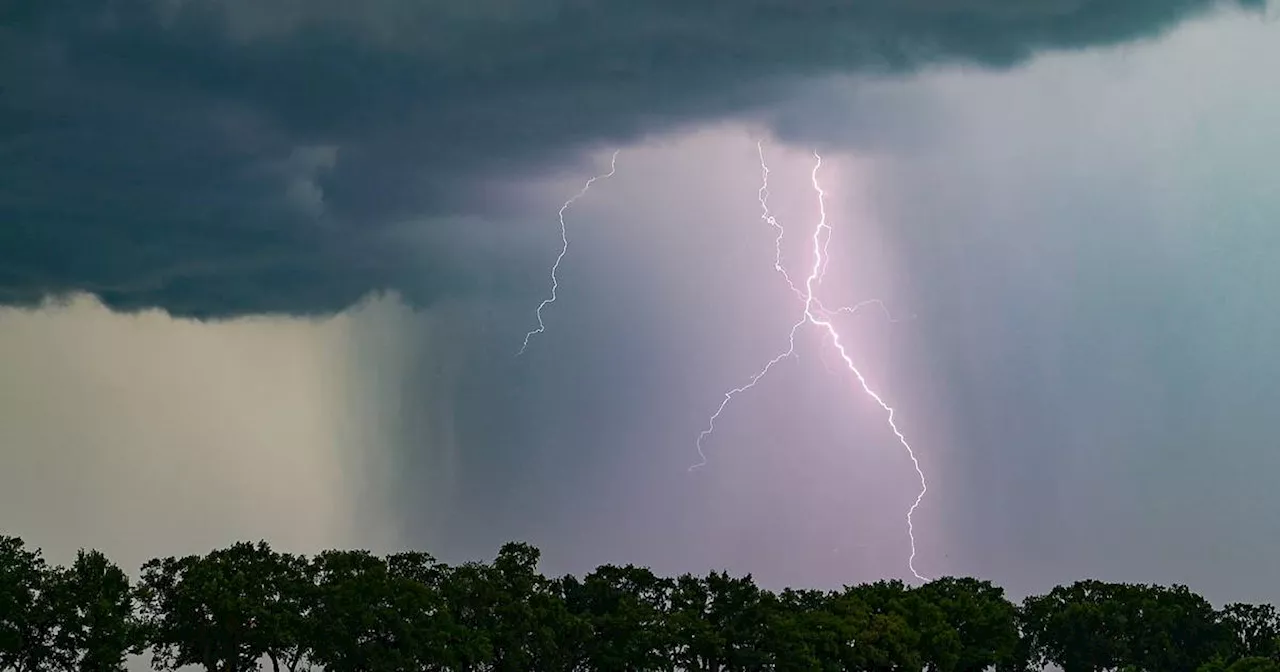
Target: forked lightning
column 813, row 313
column 816, row 314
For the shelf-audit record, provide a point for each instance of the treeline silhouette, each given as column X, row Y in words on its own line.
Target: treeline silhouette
column 248, row 607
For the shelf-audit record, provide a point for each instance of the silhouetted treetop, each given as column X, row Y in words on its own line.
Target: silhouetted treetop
column 247, row 607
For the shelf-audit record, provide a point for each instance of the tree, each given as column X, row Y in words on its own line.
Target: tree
column 879, row 616
column 813, row 631
column 364, row 618
column 468, row 594
column 1076, row 627
column 624, row 609
column 27, row 624
column 93, row 608
column 1249, row 664
column 224, row 611
column 533, row 628
column 1169, row 629
column 719, row 623
column 286, row 615
column 1254, row 664
column 1254, row 629
column 700, row 647
column 984, row 623
column 442, row 641
column 354, row 611
column 939, row 647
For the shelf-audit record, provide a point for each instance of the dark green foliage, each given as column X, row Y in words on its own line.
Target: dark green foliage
column 93, row 610
column 1092, row 625
column 248, row 607
column 1254, row 629
column 624, row 611
column 1077, row 627
column 26, row 609
column 983, row 624
column 224, row 611
column 1250, row 664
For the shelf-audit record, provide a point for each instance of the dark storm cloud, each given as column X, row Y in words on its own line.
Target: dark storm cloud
column 220, row 158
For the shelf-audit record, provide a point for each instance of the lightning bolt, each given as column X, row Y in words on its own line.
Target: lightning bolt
column 816, row 314
column 772, row 221
column 564, row 249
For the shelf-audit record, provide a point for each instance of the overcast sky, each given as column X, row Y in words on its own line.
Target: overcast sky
column 298, row 246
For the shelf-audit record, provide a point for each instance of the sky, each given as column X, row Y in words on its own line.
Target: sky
column 267, row 266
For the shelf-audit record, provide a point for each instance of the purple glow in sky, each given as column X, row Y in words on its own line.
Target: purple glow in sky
column 814, row 313
column 298, row 285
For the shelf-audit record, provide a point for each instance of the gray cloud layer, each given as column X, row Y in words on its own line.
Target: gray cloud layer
column 221, row 158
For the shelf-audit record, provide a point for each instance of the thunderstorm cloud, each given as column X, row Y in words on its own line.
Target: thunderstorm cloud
column 268, row 156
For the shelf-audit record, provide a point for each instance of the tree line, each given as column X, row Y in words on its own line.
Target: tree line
column 248, row 607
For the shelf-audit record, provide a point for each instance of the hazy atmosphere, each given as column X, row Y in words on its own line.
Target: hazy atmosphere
column 266, row 268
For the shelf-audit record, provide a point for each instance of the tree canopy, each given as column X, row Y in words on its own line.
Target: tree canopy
column 247, row 607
